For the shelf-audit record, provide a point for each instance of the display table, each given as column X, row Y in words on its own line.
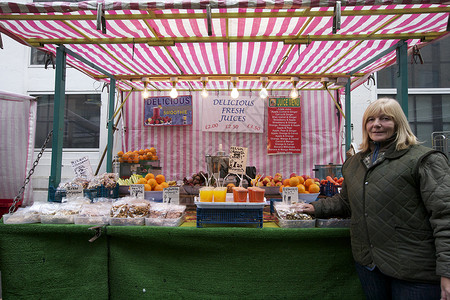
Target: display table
column 57, row 261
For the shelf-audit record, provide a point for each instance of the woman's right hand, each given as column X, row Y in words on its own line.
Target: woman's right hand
column 307, row 208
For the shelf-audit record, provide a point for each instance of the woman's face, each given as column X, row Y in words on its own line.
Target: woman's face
column 380, row 127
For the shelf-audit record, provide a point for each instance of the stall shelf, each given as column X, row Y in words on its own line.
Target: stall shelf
column 58, row 262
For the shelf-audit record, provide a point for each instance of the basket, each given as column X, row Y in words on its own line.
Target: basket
column 102, row 192
column 229, row 216
column 55, row 195
column 328, row 189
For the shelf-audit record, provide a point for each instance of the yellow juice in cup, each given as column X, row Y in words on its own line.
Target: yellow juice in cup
column 206, row 194
column 220, row 194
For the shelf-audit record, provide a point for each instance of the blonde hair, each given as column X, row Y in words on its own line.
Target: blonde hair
column 389, row 107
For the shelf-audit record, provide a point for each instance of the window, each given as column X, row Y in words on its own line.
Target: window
column 428, row 93
column 81, row 120
column 37, row 57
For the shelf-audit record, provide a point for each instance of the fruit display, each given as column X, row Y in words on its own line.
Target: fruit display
column 276, row 180
column 197, row 179
column 135, row 156
column 150, row 181
column 304, row 183
column 334, row 181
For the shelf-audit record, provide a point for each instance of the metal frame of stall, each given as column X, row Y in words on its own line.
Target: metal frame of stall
column 59, row 103
column 58, row 115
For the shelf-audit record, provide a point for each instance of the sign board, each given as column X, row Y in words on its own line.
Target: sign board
column 290, row 195
column 284, row 126
column 166, row 111
column 171, row 195
column 137, row 190
column 82, row 168
column 74, row 191
column 225, row 114
column 238, row 160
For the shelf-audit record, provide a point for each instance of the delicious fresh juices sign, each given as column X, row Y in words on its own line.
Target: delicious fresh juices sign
column 225, row 114
column 284, row 126
column 160, row 111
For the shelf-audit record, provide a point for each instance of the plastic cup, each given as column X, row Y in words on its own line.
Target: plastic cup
column 258, row 195
column 206, row 194
column 240, row 194
column 220, row 194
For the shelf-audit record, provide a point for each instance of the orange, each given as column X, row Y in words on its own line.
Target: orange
column 164, row 185
column 301, row 188
column 152, row 182
column 149, row 176
column 142, row 157
column 148, row 156
column 306, row 192
column 281, row 188
column 160, row 178
column 293, row 181
column 142, row 181
column 136, row 160
column 301, row 179
column 153, row 150
column 286, row 182
column 125, row 156
column 314, row 188
column 308, row 182
column 147, row 187
column 120, row 153
column 158, row 187
column 154, row 157
column 121, row 160
column 130, row 160
column 141, row 151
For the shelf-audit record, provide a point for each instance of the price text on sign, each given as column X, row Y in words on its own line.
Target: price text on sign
column 82, row 168
column 137, row 190
column 171, row 195
column 74, row 192
column 238, row 160
column 290, row 195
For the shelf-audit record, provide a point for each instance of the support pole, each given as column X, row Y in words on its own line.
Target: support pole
column 58, row 118
column 348, row 119
column 402, row 76
column 112, row 94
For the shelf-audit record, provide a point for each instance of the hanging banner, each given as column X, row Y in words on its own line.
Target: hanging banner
column 284, row 126
column 164, row 111
column 225, row 114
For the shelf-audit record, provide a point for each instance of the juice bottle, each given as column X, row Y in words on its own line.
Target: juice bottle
column 206, row 194
column 220, row 194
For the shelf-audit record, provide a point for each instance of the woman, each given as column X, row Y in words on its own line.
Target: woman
column 397, row 193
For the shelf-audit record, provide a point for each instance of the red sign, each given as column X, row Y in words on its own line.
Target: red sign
column 284, row 126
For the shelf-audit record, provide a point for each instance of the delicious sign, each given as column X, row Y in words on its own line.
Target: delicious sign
column 160, row 111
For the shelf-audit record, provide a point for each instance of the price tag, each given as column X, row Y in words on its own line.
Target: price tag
column 171, row 195
column 290, row 195
column 238, row 160
column 82, row 168
column 74, row 192
column 137, row 190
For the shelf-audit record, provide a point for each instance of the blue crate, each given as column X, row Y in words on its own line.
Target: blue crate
column 328, row 189
column 234, row 216
column 55, row 195
column 102, row 192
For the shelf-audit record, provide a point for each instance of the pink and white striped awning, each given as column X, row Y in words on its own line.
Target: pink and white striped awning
column 275, row 40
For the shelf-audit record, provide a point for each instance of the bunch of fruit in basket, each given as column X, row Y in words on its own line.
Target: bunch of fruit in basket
column 304, row 183
column 135, row 156
column 276, row 180
column 197, row 179
column 150, row 181
column 334, row 181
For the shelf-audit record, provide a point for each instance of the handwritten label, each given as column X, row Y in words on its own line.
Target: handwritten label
column 171, row 195
column 137, row 190
column 290, row 195
column 238, row 160
column 82, row 168
column 74, row 192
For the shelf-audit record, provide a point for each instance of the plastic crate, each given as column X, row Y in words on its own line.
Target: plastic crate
column 55, row 195
column 229, row 216
column 328, row 189
column 102, row 192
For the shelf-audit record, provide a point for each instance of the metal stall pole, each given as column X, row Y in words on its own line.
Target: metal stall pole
column 112, row 94
column 402, row 76
column 59, row 104
column 348, row 119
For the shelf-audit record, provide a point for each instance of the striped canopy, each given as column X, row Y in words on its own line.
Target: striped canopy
column 213, row 43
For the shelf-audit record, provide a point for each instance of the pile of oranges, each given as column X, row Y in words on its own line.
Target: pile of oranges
column 134, row 157
column 308, row 186
column 153, row 183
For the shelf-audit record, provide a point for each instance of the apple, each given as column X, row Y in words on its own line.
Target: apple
column 260, row 183
column 270, row 177
column 265, row 181
column 278, row 177
column 270, row 183
column 316, row 179
column 293, row 175
column 279, row 183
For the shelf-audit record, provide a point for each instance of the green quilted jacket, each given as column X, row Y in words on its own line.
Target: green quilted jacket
column 400, row 212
